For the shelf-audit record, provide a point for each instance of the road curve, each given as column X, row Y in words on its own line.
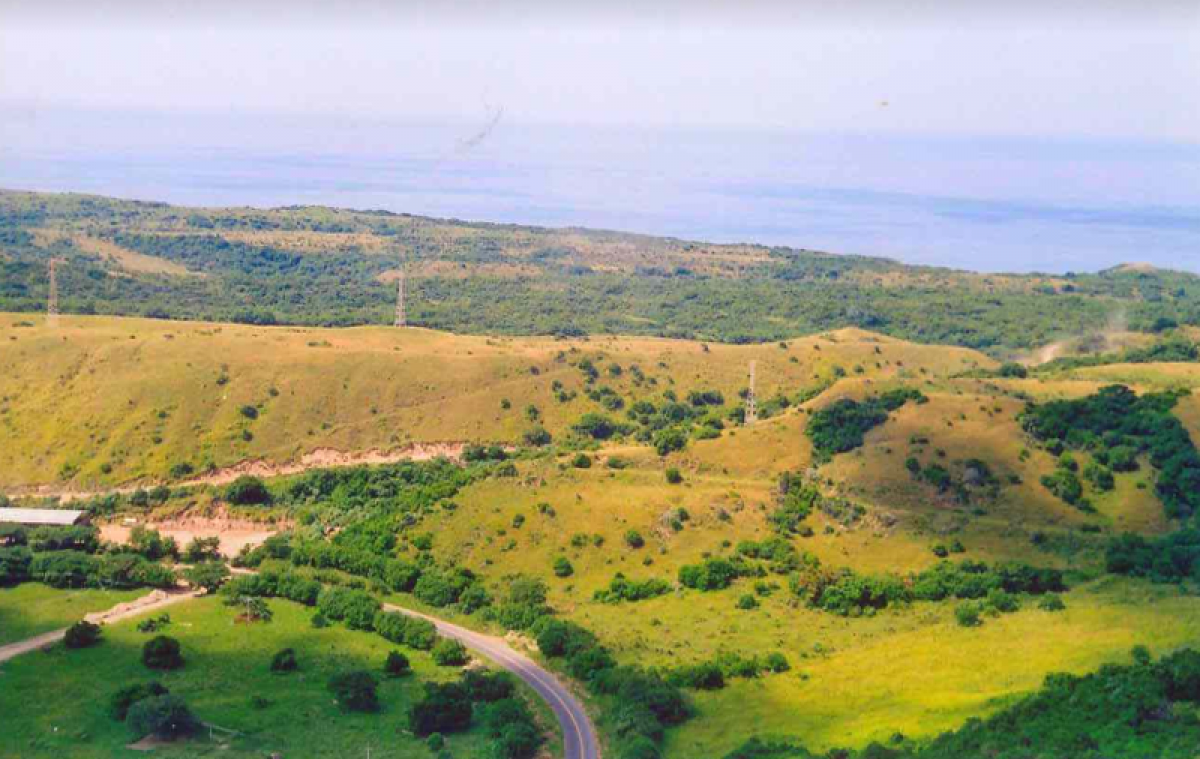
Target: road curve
column 579, row 735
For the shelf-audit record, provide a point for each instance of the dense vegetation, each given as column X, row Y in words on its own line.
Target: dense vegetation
column 840, row 426
column 1146, row 709
column 556, row 284
column 1116, row 426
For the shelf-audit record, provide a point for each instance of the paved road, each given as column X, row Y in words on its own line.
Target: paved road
column 151, row 602
column 579, row 735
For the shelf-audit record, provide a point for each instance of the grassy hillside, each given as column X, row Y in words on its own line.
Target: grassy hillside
column 102, row 401
column 326, row 266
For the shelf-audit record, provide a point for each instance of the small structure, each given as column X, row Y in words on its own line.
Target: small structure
column 43, row 517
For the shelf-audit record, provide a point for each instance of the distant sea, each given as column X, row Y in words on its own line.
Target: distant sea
column 983, row 203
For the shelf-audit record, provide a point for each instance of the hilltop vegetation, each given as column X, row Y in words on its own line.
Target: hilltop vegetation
column 323, row 266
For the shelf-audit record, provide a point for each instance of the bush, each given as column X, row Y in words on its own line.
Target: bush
column 119, row 703
column 1051, row 602
column 634, row 539
column 673, row 476
column 486, row 686
column 396, row 665
column 537, row 436
column 209, row 575
column 162, row 652
column 777, row 662
column 1013, row 369
column 355, row 690
column 443, row 708
column 356, row 608
column 247, row 491
column 82, row 634
column 562, row 567
column 968, row 614
column 409, row 631
column 747, row 601
column 284, row 661
column 581, row 461
column 165, row 716
column 449, row 653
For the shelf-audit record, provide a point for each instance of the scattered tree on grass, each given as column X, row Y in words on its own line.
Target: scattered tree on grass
column 162, row 652
column 396, row 665
column 284, row 661
column 166, row 717
column 355, row 690
column 82, row 634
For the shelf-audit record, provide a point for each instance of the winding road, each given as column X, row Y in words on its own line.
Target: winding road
column 579, row 735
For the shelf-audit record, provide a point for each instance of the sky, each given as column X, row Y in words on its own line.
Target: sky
column 995, row 136
column 1093, row 70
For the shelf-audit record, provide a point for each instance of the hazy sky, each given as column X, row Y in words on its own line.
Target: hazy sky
column 1087, row 70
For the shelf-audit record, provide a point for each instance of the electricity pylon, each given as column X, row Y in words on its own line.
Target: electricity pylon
column 52, row 301
column 401, row 315
column 751, row 404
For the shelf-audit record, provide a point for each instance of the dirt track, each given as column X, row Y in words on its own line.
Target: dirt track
column 155, row 600
column 321, row 458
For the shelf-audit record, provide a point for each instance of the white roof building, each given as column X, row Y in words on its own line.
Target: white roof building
column 38, row 517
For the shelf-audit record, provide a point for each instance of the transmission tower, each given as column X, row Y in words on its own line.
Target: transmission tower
column 401, row 315
column 52, row 302
column 751, row 404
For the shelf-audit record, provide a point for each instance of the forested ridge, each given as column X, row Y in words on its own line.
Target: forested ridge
column 321, row 266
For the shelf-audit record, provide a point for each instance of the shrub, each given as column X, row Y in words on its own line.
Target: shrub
column 777, row 662
column 355, row 690
column 1051, row 602
column 443, row 708
column 151, row 544
column 165, row 716
column 203, row 549
column 396, row 665
column 634, row 539
column 284, row 661
column 449, row 653
column 670, row 439
column 537, row 436
column 673, row 476
column 747, row 601
column 247, row 491
column 250, row 412
column 562, row 567
column 581, row 461
column 1013, row 369
column 486, row 686
column 356, row 608
column 209, row 575
column 162, row 652
column 82, row 634
column 968, row 614
column 409, row 631
column 119, row 703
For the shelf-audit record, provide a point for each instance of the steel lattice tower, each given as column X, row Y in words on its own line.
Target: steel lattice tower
column 52, row 301
column 401, row 315
column 751, row 404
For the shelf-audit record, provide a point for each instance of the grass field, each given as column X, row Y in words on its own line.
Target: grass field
column 914, row 672
column 100, row 401
column 31, row 608
column 226, row 673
